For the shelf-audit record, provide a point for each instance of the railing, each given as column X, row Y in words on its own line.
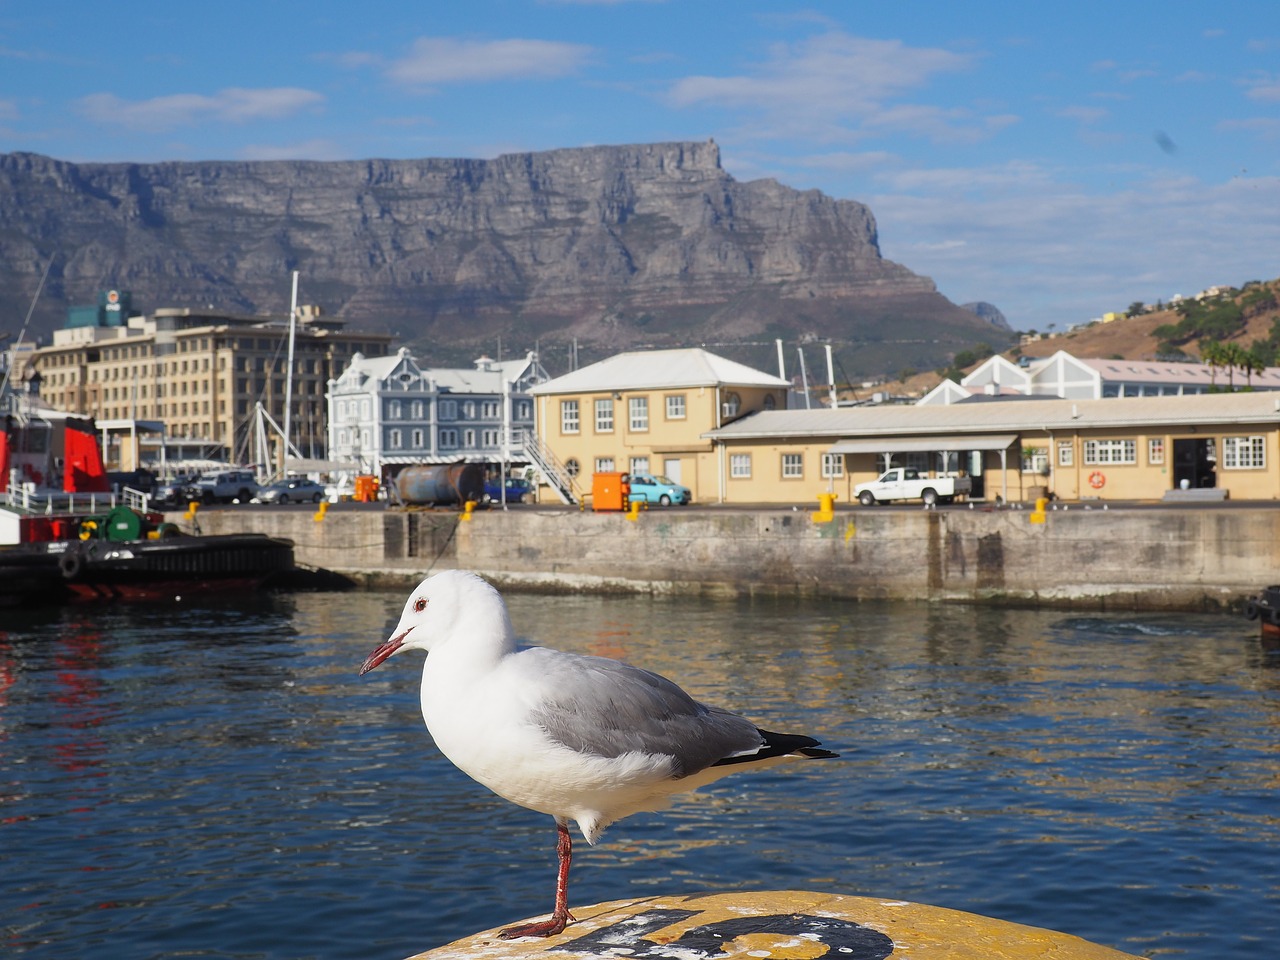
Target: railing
column 27, row 500
column 553, row 471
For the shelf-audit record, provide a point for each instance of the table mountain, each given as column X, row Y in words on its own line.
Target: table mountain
column 616, row 246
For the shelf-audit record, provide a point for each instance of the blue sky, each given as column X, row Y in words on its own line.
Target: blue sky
column 1057, row 160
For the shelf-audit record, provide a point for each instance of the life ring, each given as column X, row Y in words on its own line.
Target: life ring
column 69, row 564
column 1097, row 480
column 88, row 528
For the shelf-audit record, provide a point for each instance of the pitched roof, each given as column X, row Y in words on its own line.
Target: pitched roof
column 1047, row 415
column 659, row 370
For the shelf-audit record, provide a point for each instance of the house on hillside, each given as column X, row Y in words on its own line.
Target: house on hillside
column 387, row 412
column 648, row 412
column 1069, row 377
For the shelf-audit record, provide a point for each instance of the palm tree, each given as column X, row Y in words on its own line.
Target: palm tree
column 1211, row 352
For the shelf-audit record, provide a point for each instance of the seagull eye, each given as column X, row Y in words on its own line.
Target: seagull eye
column 420, row 604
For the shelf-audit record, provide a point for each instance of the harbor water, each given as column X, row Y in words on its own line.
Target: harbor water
column 203, row 780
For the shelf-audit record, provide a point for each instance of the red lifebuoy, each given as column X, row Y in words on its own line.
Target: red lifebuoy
column 1097, row 480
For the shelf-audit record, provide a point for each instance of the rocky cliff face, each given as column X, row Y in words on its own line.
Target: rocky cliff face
column 617, row 246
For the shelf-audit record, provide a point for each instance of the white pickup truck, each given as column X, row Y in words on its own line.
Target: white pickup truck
column 906, row 483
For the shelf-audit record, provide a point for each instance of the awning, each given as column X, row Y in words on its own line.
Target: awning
column 924, row 445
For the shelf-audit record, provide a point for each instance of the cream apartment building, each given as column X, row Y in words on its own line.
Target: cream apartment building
column 201, row 373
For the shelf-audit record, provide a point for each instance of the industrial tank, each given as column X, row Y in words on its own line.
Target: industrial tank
column 441, row 484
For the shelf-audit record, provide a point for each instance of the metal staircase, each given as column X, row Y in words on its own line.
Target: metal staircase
column 553, row 471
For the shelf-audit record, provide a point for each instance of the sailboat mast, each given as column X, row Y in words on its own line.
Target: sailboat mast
column 288, row 381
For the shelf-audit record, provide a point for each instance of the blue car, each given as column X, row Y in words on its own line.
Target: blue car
column 658, row 489
column 517, row 489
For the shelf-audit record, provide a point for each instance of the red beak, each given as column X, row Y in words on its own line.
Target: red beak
column 381, row 653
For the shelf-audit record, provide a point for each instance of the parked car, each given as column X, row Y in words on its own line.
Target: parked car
column 907, row 483
column 291, row 490
column 659, row 489
column 517, row 489
column 224, row 486
column 174, row 492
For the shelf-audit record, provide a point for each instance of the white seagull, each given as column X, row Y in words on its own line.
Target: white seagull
column 580, row 738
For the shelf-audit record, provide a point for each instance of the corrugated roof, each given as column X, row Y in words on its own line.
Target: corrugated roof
column 659, row 370
column 1212, row 408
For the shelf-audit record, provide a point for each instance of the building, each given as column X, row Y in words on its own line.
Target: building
column 1069, row 377
column 388, row 411
column 201, row 372
column 647, row 412
column 1143, row 448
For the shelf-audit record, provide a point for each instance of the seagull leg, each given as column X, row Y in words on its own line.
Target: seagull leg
column 561, row 915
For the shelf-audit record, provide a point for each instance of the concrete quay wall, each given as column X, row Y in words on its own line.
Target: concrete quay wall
column 1189, row 559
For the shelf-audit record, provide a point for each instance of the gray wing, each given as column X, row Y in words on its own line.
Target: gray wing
column 606, row 708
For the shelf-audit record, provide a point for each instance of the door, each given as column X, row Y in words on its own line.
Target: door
column 1194, row 462
column 671, row 470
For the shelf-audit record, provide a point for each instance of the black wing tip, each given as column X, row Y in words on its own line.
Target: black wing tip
column 783, row 745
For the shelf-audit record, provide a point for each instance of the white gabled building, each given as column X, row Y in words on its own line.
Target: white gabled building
column 1074, row 378
column 386, row 411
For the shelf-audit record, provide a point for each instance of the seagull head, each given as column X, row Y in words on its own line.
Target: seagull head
column 450, row 603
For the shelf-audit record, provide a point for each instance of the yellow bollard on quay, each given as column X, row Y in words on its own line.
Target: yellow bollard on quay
column 826, row 511
column 319, row 515
column 785, row 924
column 1038, row 515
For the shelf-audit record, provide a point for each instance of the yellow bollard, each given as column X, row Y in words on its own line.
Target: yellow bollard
column 192, row 507
column 634, row 507
column 1037, row 515
column 467, row 509
column 319, row 514
column 826, row 511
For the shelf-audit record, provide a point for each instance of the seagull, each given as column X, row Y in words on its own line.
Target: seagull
column 577, row 737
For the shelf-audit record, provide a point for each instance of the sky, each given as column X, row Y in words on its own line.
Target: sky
column 1057, row 160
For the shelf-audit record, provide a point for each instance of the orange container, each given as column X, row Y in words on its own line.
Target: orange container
column 609, row 491
column 366, row 488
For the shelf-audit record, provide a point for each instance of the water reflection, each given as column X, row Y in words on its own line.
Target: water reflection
column 218, row 781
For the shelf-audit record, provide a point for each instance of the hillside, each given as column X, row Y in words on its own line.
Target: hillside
column 616, row 247
column 1135, row 338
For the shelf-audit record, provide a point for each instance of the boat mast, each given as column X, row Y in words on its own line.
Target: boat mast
column 288, row 381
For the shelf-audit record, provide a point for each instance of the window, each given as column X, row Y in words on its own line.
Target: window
column 638, row 408
column 469, row 439
column 469, row 410
column 1243, row 453
column 1035, row 460
column 448, row 409
column 393, row 410
column 604, row 464
column 489, row 410
column 568, row 416
column 394, row 440
column 1066, row 453
column 604, row 416
column 1110, row 451
column 417, row 409
column 792, row 466
column 417, row 439
column 489, row 438
column 1155, row 451
column 675, row 407
column 740, row 465
column 730, row 405
column 832, row 466
column 770, row 402
column 639, row 464
column 448, row 439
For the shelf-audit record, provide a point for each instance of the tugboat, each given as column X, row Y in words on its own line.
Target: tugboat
column 1265, row 608
column 81, row 542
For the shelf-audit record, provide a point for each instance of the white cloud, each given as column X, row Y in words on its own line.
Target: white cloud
column 441, row 60
column 231, row 105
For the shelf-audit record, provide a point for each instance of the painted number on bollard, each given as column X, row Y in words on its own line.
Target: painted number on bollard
column 816, row 936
